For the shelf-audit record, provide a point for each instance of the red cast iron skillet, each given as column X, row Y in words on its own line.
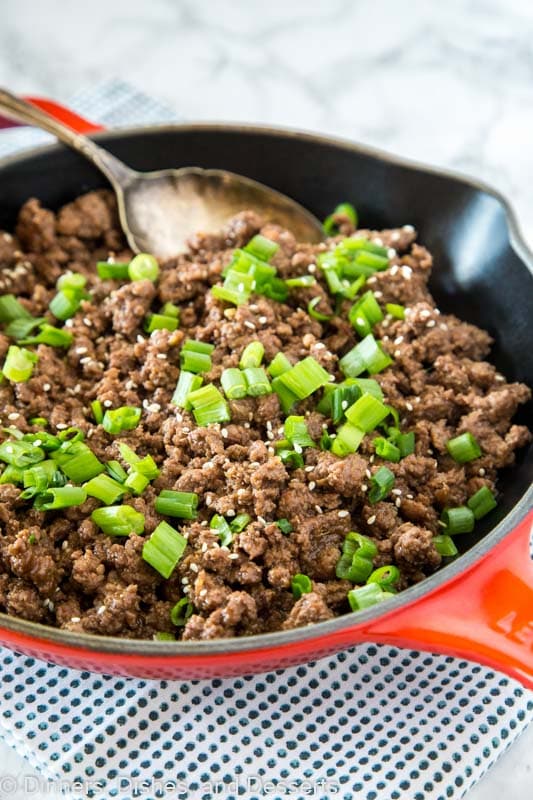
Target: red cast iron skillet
column 480, row 606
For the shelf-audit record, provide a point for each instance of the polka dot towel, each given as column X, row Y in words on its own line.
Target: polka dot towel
column 372, row 723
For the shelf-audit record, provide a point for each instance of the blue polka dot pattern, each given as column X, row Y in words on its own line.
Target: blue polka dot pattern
column 373, row 722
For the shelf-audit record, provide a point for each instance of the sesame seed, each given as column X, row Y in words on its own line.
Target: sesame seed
column 372, row 280
column 194, row 568
column 61, row 426
column 395, row 269
column 318, row 509
column 262, row 320
column 107, row 403
column 398, row 502
column 343, row 514
column 391, row 252
column 406, row 272
column 75, row 619
column 262, row 520
column 396, row 491
column 185, row 581
column 397, row 353
column 87, row 322
column 431, row 323
column 424, row 314
column 101, row 610
column 311, row 268
column 68, row 323
column 230, row 512
column 371, row 459
column 398, row 340
column 162, row 356
column 224, row 433
column 249, row 324
column 364, row 487
column 309, row 469
column 371, row 520
column 409, row 407
column 481, row 471
column 410, row 496
column 378, row 240
column 408, row 229
column 344, row 405
column 202, row 593
column 85, row 360
column 368, row 474
column 38, row 442
column 13, row 415
column 395, row 235
column 500, row 378
column 443, row 326
column 297, row 447
column 233, row 556
column 312, row 485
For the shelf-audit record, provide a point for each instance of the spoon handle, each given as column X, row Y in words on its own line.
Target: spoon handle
column 16, row 108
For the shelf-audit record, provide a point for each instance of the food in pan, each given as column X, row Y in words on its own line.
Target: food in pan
column 256, row 435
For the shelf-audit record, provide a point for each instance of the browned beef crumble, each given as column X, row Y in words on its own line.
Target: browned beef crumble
column 58, row 568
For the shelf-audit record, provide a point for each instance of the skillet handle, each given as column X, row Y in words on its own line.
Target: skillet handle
column 484, row 614
column 60, row 113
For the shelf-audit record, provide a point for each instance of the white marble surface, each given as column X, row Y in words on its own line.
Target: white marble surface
column 448, row 83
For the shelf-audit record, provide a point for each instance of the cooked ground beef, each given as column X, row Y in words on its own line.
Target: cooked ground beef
column 60, row 569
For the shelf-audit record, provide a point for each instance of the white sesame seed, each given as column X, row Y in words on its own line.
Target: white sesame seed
column 409, row 406
column 443, row 326
column 397, row 353
column 107, row 403
column 408, row 229
column 85, row 360
column 13, row 415
column 481, row 471
column 249, row 324
column 368, row 474
column 343, row 514
column 398, row 502
column 378, row 240
column 500, row 378
column 424, row 314
column 410, row 496
column 396, row 492
column 140, row 339
column 318, row 509
column 202, row 593
column 312, row 485
column 344, row 405
column 262, row 320
column 395, row 235
column 194, row 567
column 162, row 356
column 297, row 447
column 38, row 442
column 230, row 512
column 68, row 323
column 406, row 272
column 398, row 340
column 185, row 581
column 81, row 350
column 391, row 252
column 101, row 610
column 61, row 426
column 75, row 619
column 395, row 269
column 364, row 487
column 371, row 520
column 87, row 322
column 371, row 459
column 430, row 323
column 309, row 469
column 233, row 556
column 311, row 268
column 224, row 433
column 262, row 520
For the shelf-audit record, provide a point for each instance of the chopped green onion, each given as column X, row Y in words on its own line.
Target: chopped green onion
column 342, row 398
column 366, row 413
column 301, row 584
column 11, row 309
column 291, row 458
column 164, row 549
column 65, row 304
column 98, row 411
column 276, row 289
column 284, row 525
column 170, row 503
column 41, row 476
column 240, row 522
column 116, row 471
column 367, row 386
column 261, row 247
column 43, row 439
column 352, row 289
column 252, row 355
column 112, row 270
column 143, row 267
column 60, row 497
column 458, row 520
column 257, row 383
column 136, row 482
column 73, row 281
column 367, row 355
column 305, row 378
column 385, row 449
column 125, row 418
column 187, row 382
column 367, row 596
column 360, row 544
column 300, row 281
column 191, row 361
column 482, row 502
column 19, row 364
column 286, row 398
column 405, row 443
column 12, row 474
column 128, row 455
column 233, row 383
column 160, row 322
column 354, row 245
column 311, row 310
column 39, row 421
column 71, row 434
column 194, row 346
column 279, row 364
column 219, row 524
column 21, row 454
column 353, row 567
column 463, row 448
column 368, row 307
column 229, row 295
column 208, row 405
column 77, row 461
column 163, row 636
column 386, row 577
column 347, row 440
column 22, row 327
column 105, row 489
column 181, row 612
column 382, row 483
column 55, row 337
column 395, row 310
column 170, row 310
column 296, row 432
column 359, row 321
column 444, row 545
column 118, row 520
column 330, row 226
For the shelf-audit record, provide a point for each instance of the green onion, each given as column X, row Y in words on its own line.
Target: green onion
column 55, row 337
column 12, row 474
column 21, row 454
column 405, row 443
column 261, row 247
column 386, row 577
column 296, row 432
column 458, row 520
column 291, row 458
column 368, row 308
column 105, row 489
column 395, row 310
column 125, row 418
column 39, row 421
column 367, row 355
column 40, row 476
column 229, row 295
column 366, row 386
column 116, row 471
column 143, row 267
column 160, row 322
column 311, row 310
column 11, row 309
column 341, row 399
column 359, row 321
column 240, row 522
column 354, row 245
column 187, row 382
column 347, row 440
column 147, row 467
column 335, row 285
column 301, row 584
column 351, row 290
column 98, row 411
column 73, row 281
column 136, row 482
column 170, row 503
column 284, row 525
column 326, row 440
column 233, row 383
column 181, row 612
column 367, row 596
column 164, row 549
column 163, row 636
column 445, row 546
column 77, row 461
column 276, row 289
column 118, row 520
column 252, row 355
column 195, row 362
column 482, row 502
column 381, row 483
column 127, row 454
column 304, row 378
column 170, row 310
column 279, row 364
column 370, row 260
column 360, row 544
column 43, row 439
column 257, row 383
column 366, row 413
column 219, row 524
column 330, row 226
column 22, row 327
column 208, row 405
column 71, row 434
column 65, row 304
column 112, row 270
column 19, row 364
column 463, row 448
column 353, row 567
column 286, row 398
column 385, row 449
column 60, row 497
column 300, row 281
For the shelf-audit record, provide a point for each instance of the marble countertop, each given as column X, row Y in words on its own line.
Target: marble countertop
column 449, row 83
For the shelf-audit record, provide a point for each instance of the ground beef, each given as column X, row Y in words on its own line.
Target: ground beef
column 60, row 569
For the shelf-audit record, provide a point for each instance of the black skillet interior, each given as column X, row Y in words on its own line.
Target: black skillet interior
column 477, row 273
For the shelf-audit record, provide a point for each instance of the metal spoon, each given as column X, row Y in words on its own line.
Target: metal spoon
column 160, row 210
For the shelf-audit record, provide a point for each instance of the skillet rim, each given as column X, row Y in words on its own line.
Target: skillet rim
column 415, row 593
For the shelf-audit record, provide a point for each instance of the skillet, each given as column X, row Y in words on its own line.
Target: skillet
column 478, row 607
